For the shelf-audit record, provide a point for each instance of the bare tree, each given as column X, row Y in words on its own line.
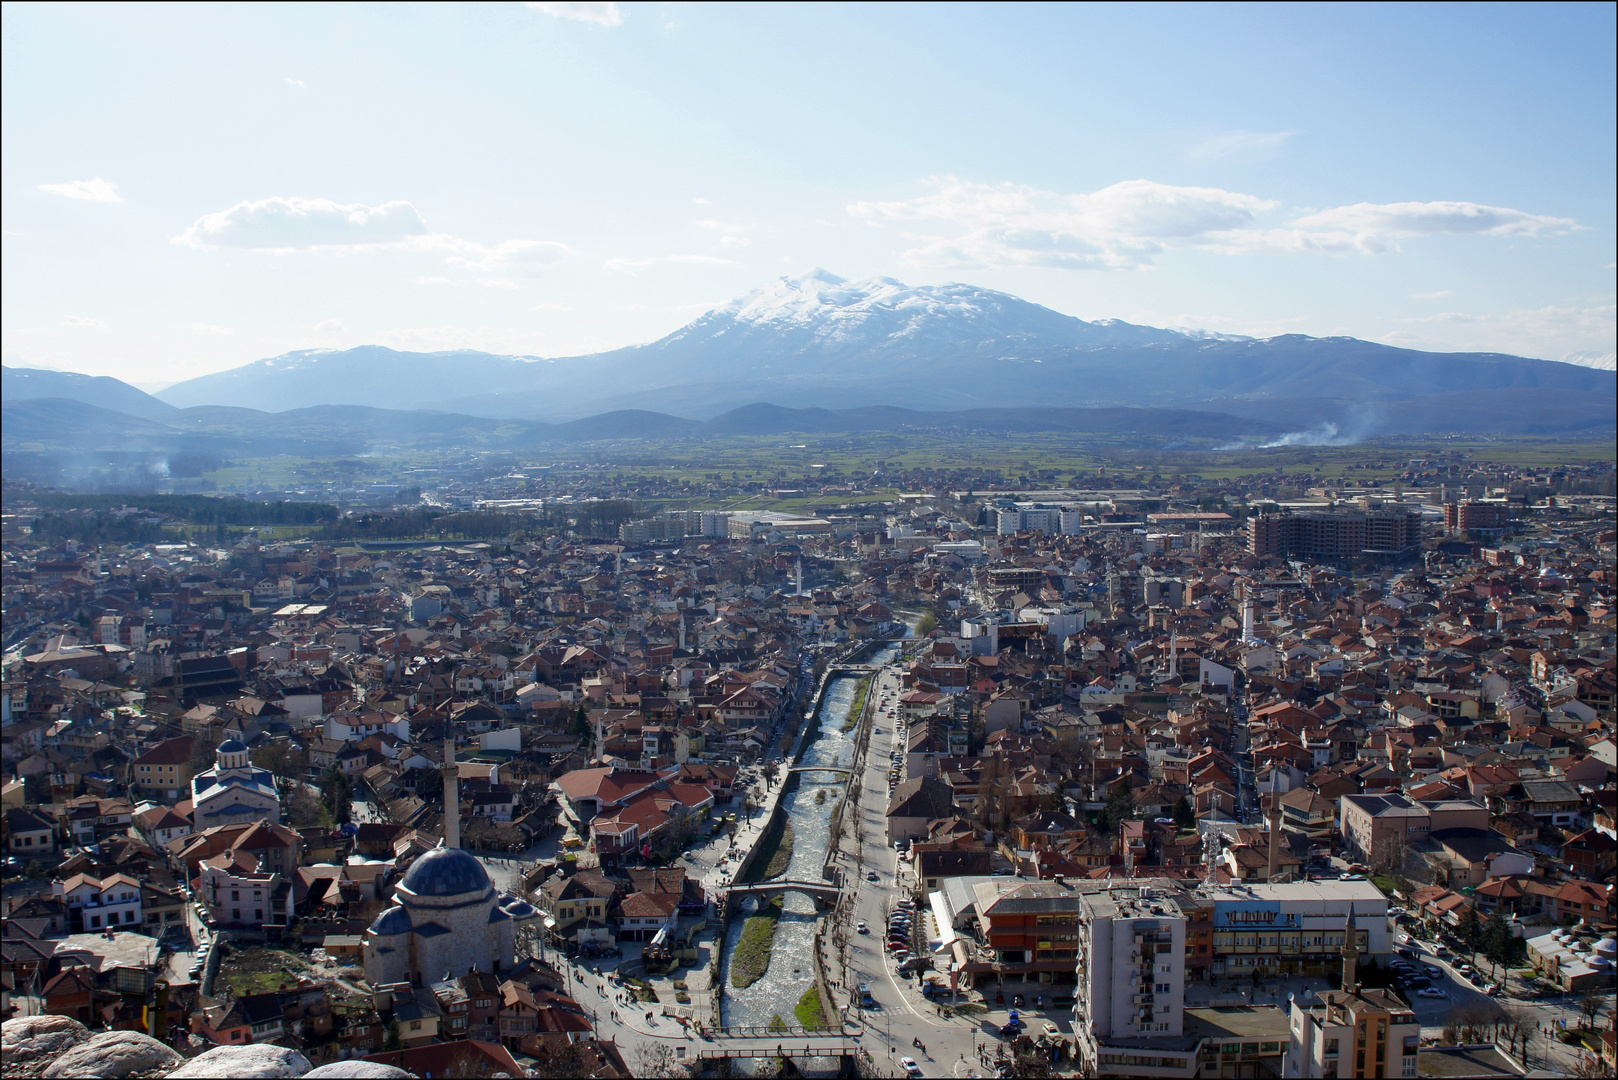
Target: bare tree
column 1590, row 1005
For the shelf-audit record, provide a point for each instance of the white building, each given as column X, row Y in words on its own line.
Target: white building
column 234, row 790
column 101, row 903
column 1039, row 517
column 1131, row 983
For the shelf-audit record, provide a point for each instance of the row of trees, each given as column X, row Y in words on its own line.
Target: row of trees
column 1491, row 938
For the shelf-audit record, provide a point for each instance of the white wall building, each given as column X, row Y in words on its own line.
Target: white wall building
column 1131, row 982
column 234, row 791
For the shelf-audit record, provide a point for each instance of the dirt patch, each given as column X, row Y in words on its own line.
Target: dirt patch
column 260, row 970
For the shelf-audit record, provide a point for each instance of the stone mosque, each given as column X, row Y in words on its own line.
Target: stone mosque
column 447, row 918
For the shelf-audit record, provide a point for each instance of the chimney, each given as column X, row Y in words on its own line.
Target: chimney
column 1060, row 879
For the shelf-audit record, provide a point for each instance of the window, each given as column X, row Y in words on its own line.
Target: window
column 129, row 916
column 1331, row 1047
column 95, row 920
column 415, row 1025
column 235, row 894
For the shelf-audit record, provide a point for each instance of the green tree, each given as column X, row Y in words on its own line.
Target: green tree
column 1184, row 816
column 1467, row 928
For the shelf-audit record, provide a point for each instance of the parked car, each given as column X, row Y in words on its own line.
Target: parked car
column 862, row 929
column 1433, row 971
column 1431, row 992
column 1052, row 1031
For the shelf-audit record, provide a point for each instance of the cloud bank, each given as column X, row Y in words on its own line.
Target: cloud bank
column 1125, row 225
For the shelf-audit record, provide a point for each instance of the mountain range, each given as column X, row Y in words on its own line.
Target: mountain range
column 852, row 356
column 818, row 340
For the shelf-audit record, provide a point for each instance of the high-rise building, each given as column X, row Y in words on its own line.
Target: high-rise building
column 1335, row 534
column 1131, row 974
column 1473, row 516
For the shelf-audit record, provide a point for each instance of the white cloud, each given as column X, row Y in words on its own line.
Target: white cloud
column 1240, row 144
column 283, row 224
column 82, row 322
column 209, row 328
column 1013, row 225
column 296, row 82
column 602, row 14
column 626, row 266
column 97, row 190
column 1557, row 331
column 550, row 305
column 1123, row 226
column 1438, row 294
column 1374, row 227
column 327, row 326
column 731, row 236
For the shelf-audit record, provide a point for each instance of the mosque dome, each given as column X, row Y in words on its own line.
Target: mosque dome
column 393, row 921
column 446, row 872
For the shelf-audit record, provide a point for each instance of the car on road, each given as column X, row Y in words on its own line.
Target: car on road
column 1465, row 969
column 862, row 929
column 1431, row 992
column 874, row 876
column 866, row 1000
column 1052, row 1031
column 1493, row 990
column 910, row 1066
column 1433, row 971
column 1409, row 954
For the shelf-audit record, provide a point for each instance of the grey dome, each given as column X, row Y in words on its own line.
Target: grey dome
column 446, row 872
column 395, row 920
column 232, row 746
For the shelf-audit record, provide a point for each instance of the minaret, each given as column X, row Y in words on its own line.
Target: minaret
column 682, row 631
column 452, row 795
column 1351, row 953
column 798, row 576
column 1174, row 646
column 1273, row 813
column 1248, row 618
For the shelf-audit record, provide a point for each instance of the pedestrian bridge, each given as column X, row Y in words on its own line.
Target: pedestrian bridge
column 766, row 1044
column 843, row 769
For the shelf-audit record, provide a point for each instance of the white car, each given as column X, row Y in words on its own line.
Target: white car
column 911, row 1068
column 1431, row 992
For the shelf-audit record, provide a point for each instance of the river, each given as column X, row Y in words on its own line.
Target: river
column 792, row 968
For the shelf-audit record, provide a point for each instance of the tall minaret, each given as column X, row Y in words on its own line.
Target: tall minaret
column 1351, row 953
column 798, row 576
column 1273, row 813
column 1174, row 646
column 452, row 795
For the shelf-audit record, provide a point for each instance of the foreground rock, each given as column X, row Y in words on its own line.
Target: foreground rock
column 24, row 1038
column 259, row 1062
column 358, row 1070
column 111, row 1054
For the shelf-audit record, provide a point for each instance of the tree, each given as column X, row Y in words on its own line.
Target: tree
column 1467, row 927
column 1590, row 1005
column 1184, row 816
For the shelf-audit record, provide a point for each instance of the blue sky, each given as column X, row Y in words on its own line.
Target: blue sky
column 189, row 188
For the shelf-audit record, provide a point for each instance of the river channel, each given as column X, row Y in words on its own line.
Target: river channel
column 792, row 969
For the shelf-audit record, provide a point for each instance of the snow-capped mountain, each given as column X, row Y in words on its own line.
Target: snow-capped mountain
column 819, row 340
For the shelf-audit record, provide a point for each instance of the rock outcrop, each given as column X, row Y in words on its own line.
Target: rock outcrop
column 24, row 1038
column 109, row 1055
column 256, row 1062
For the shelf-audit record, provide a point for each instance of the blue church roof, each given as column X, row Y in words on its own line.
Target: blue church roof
column 446, row 872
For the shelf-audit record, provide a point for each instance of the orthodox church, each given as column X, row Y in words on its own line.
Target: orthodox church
column 447, row 918
column 234, row 791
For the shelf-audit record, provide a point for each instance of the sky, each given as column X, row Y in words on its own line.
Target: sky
column 188, row 188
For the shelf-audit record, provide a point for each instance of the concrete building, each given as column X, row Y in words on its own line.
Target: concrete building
column 1475, row 516
column 1335, row 534
column 1131, row 970
column 1294, row 928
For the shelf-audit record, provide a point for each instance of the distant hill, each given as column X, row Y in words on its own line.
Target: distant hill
column 27, row 384
column 821, row 342
column 70, row 427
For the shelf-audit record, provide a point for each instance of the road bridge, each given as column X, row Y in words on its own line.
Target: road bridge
column 843, row 769
column 820, row 890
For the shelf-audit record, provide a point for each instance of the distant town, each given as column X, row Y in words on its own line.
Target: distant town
column 477, row 766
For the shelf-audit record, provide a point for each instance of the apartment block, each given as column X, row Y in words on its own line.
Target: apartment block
column 1335, row 534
